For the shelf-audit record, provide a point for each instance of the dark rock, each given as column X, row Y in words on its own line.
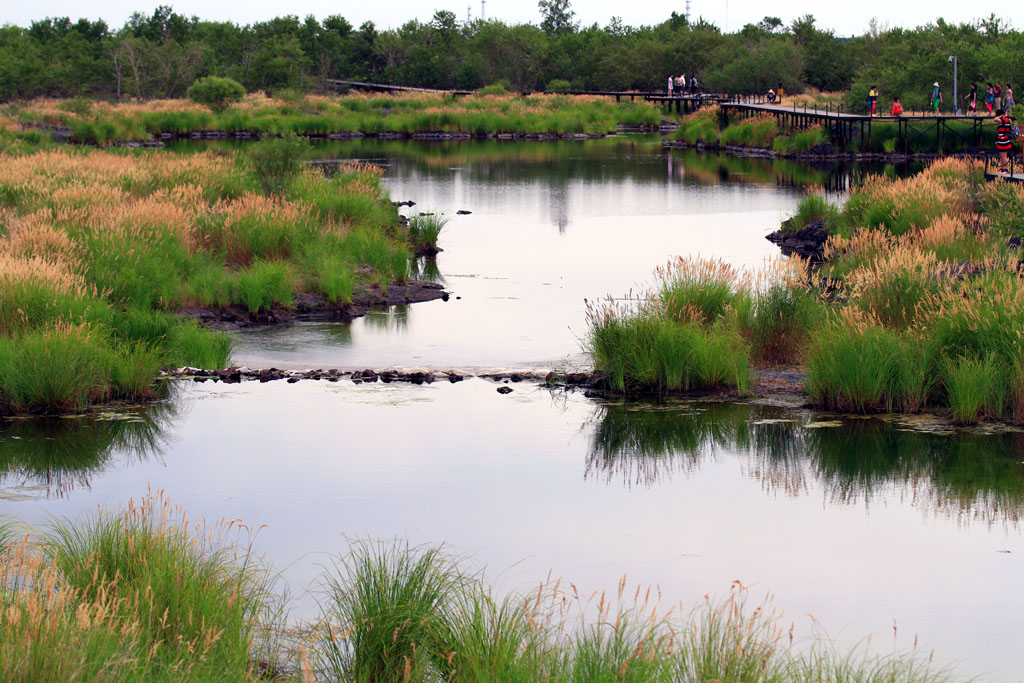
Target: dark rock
column 455, row 377
column 808, row 242
column 504, row 390
column 823, row 149
column 199, row 379
column 1013, row 242
column 293, row 380
column 462, row 212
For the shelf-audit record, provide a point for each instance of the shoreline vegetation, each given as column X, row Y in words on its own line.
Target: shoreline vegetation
column 101, row 252
column 917, row 304
column 148, row 594
column 410, row 115
column 706, row 129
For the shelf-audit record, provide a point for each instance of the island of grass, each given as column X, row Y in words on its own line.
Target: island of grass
column 101, row 253
column 918, row 304
column 400, row 115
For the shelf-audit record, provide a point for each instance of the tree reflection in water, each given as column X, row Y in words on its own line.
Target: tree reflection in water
column 972, row 476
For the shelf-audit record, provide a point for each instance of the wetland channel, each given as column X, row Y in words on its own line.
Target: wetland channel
column 862, row 523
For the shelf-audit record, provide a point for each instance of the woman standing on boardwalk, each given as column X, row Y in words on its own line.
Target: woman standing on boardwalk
column 989, row 98
column 1008, row 100
column 1004, row 139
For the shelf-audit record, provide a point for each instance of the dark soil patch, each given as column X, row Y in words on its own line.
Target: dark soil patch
column 315, row 307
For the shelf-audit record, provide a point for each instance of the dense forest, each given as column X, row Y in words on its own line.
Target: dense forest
column 161, row 55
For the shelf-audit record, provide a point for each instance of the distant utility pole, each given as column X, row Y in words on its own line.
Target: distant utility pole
column 469, row 15
column 483, row 10
column 687, row 11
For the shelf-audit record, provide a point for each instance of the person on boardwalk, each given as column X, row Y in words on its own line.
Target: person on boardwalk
column 771, row 95
column 694, row 85
column 936, row 96
column 671, row 82
column 1004, row 139
column 972, row 99
column 872, row 100
column 997, row 94
column 990, row 99
column 681, row 84
column 897, row 108
column 1008, row 99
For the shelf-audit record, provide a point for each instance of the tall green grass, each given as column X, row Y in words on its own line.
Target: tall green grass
column 975, row 387
column 865, row 368
column 647, row 353
column 391, row 598
column 424, row 230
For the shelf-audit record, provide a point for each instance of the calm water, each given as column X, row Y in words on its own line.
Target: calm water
column 861, row 523
column 551, row 225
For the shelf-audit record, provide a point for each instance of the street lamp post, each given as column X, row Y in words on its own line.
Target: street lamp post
column 956, row 100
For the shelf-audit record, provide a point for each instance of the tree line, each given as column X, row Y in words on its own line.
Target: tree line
column 160, row 55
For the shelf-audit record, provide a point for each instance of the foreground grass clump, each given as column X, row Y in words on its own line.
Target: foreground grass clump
column 400, row 613
column 134, row 596
column 483, row 113
column 99, row 251
column 147, row 594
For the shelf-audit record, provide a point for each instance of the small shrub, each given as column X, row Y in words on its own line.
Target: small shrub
column 277, row 161
column 216, row 93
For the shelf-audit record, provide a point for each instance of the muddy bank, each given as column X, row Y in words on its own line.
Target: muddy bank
column 315, row 307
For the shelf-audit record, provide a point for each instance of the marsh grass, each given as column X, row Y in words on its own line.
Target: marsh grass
column 417, row 615
column 975, row 387
column 424, row 230
column 854, row 365
column 813, row 207
column 643, row 352
column 145, row 594
column 385, row 602
column 113, row 244
column 485, row 112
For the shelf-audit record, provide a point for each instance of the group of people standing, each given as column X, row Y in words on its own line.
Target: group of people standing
column 678, row 85
column 996, row 97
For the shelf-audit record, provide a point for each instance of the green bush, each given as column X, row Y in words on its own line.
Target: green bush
column 277, row 161
column 216, row 93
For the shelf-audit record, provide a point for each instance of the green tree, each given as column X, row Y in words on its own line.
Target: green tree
column 556, row 17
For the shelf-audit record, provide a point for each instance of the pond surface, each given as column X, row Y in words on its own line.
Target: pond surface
column 552, row 224
column 860, row 523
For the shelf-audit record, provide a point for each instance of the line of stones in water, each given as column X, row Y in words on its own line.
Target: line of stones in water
column 237, row 375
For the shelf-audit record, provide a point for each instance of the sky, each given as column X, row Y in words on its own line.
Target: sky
column 845, row 19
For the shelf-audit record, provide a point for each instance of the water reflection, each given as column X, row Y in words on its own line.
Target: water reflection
column 610, row 159
column 970, row 476
column 53, row 456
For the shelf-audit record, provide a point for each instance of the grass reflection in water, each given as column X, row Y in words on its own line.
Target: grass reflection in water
column 59, row 453
column 975, row 477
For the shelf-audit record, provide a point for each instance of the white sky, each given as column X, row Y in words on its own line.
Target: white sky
column 845, row 18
